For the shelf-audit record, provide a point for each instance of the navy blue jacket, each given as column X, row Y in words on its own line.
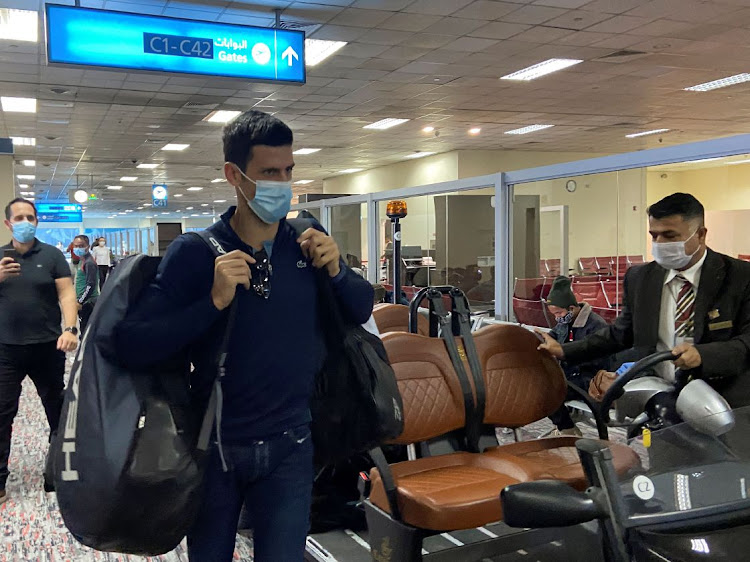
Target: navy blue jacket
column 276, row 347
column 587, row 322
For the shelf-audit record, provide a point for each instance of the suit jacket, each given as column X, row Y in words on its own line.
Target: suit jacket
column 722, row 323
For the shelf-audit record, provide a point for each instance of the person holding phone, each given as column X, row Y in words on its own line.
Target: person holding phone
column 35, row 284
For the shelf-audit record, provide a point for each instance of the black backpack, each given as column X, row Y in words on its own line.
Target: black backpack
column 356, row 404
column 128, row 455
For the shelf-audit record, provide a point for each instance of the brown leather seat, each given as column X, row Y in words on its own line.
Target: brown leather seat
column 454, row 491
column 524, row 385
column 395, row 318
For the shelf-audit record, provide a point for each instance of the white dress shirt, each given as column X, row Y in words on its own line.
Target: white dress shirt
column 669, row 294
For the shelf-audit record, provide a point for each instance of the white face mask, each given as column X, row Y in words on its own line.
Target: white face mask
column 672, row 255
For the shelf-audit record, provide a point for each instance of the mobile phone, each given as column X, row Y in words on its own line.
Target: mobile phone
column 10, row 253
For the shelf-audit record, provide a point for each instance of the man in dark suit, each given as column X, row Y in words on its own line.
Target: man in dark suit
column 691, row 300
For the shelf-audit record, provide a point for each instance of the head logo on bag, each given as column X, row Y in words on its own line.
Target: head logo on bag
column 68, row 474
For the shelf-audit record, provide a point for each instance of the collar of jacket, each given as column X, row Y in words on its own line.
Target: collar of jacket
column 583, row 316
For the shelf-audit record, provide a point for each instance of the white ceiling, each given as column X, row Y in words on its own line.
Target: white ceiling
column 436, row 62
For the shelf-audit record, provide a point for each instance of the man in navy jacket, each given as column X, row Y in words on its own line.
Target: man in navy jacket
column 275, row 349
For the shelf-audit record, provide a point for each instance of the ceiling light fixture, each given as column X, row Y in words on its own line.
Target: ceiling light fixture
column 221, row 116
column 204, row 204
column 529, row 129
column 428, row 129
column 26, row 177
column 147, row 204
column 318, row 50
column 217, row 180
column 419, row 155
column 81, row 196
column 19, row 105
column 541, row 69
column 19, row 25
column 644, row 133
column 23, row 141
column 128, row 178
column 147, row 166
column 220, row 201
column 177, row 195
column 721, row 83
column 384, row 124
column 174, row 146
column 23, row 185
column 28, row 163
column 475, row 131
column 114, row 187
column 306, row 151
column 351, row 170
column 189, row 208
column 303, row 182
column 195, row 189
column 28, row 193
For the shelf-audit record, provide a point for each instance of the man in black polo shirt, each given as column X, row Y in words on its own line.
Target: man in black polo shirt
column 34, row 283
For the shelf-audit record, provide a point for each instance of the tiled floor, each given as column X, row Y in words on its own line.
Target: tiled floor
column 31, row 528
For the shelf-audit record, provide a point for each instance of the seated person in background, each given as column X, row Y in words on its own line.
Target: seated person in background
column 485, row 291
column 575, row 321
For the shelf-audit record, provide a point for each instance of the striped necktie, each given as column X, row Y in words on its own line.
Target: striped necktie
column 684, row 317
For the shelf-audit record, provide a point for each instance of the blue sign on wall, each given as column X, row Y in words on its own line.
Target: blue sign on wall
column 123, row 40
column 159, row 195
column 59, row 212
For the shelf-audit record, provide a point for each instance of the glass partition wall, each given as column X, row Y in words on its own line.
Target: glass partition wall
column 503, row 238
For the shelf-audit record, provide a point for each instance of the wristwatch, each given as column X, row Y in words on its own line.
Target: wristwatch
column 72, row 329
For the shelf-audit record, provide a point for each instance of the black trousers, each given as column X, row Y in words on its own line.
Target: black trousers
column 45, row 365
column 103, row 272
column 85, row 313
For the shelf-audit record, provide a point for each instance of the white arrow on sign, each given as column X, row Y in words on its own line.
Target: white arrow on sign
column 290, row 54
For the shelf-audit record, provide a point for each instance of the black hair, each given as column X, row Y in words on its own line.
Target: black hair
column 18, row 200
column 84, row 238
column 683, row 204
column 250, row 128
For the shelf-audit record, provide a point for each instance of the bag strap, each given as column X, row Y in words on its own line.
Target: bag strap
column 462, row 326
column 470, row 411
column 215, row 401
column 389, row 483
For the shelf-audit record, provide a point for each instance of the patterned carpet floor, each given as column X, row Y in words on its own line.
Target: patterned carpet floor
column 31, row 528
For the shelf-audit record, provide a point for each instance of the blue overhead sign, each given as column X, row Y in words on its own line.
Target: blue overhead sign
column 59, row 212
column 159, row 195
column 116, row 39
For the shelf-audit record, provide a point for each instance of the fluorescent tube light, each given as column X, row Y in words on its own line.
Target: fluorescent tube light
column 23, row 141
column 529, row 129
column 26, row 176
column 418, row 155
column 23, row 185
column 29, row 163
column 147, row 166
column 114, row 187
column 547, row 67
column 221, row 116
column 128, row 178
column 204, row 204
column 217, row 180
column 351, row 170
column 19, row 25
column 195, row 188
column 220, row 201
column 28, row 193
column 385, row 123
column 306, row 151
column 177, row 195
column 318, row 50
column 20, row 105
column 428, row 129
column 303, row 182
column 644, row 133
column 721, row 83
column 173, row 146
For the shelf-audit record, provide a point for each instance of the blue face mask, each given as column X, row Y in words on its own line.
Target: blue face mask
column 567, row 319
column 80, row 252
column 24, row 232
column 272, row 200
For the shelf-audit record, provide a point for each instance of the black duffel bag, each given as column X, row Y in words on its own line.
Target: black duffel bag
column 356, row 404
